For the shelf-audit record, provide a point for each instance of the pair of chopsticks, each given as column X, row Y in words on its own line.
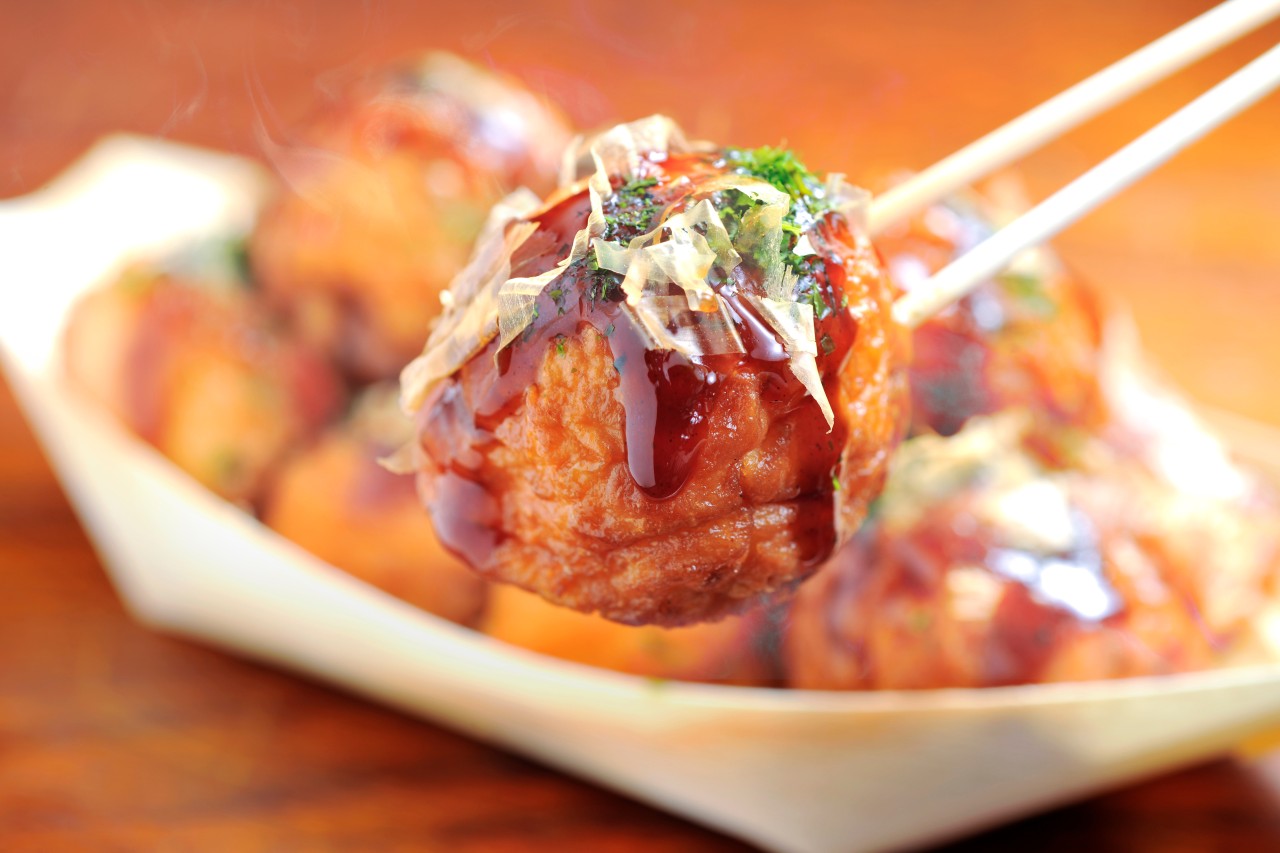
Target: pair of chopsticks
column 1193, row 40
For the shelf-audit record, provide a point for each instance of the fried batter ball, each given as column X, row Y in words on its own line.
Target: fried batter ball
column 336, row 501
column 736, row 650
column 983, row 567
column 1031, row 336
column 196, row 368
column 689, row 392
column 385, row 192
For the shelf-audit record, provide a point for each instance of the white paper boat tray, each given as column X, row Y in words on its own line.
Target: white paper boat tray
column 787, row 770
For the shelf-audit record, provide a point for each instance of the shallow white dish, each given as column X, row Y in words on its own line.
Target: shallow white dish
column 788, row 770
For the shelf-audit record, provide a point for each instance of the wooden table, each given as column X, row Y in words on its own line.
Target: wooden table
column 113, row 737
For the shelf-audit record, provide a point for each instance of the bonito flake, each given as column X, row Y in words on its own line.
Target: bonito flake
column 680, row 252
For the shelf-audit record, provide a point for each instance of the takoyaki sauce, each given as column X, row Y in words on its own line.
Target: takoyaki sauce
column 669, row 399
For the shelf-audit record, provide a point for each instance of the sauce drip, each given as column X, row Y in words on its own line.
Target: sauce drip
column 667, row 401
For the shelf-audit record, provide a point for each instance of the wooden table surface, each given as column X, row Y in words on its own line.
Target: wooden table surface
column 113, row 737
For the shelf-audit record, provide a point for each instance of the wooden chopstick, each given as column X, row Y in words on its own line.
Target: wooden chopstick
column 1140, row 69
column 1232, row 95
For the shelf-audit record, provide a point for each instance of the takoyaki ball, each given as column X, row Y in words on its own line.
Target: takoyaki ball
column 983, row 568
column 736, row 650
column 1216, row 519
column 196, row 368
column 382, row 196
column 1029, row 337
column 336, row 501
column 667, row 393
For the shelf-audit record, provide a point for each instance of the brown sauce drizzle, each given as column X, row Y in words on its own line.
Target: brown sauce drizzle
column 668, row 399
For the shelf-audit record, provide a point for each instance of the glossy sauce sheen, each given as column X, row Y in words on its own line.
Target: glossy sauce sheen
column 1028, row 626
column 667, row 397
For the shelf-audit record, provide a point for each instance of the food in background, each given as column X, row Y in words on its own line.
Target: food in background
column 384, row 192
column 736, row 650
column 988, row 563
column 669, row 391
column 187, row 359
column 336, row 501
column 1030, row 337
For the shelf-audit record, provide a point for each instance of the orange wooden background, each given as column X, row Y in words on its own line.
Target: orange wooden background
column 113, row 737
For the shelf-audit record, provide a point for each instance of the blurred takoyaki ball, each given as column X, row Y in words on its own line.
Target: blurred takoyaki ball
column 1210, row 512
column 1028, row 337
column 336, row 501
column 983, row 568
column 187, row 358
column 736, row 650
column 383, row 195
column 666, row 393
